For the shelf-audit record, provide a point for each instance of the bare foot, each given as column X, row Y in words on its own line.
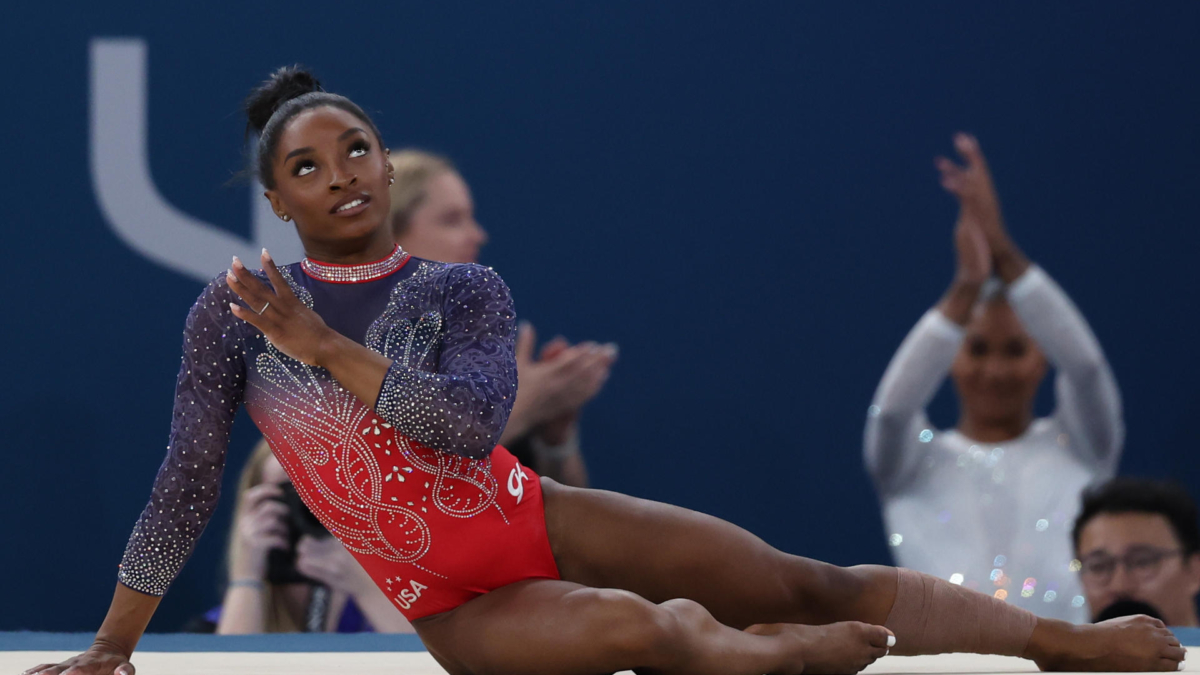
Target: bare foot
column 1130, row 643
column 842, row 648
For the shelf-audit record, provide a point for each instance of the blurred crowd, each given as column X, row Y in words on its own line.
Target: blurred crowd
column 1025, row 508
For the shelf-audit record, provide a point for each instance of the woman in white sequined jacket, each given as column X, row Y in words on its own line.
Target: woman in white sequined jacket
column 990, row 503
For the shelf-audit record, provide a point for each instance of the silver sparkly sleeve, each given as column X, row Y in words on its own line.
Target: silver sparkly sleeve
column 895, row 437
column 1088, row 400
column 207, row 393
column 463, row 407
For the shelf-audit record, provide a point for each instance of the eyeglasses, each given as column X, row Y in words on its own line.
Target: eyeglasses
column 1143, row 564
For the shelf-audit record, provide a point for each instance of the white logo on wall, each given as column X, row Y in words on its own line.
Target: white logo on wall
column 129, row 200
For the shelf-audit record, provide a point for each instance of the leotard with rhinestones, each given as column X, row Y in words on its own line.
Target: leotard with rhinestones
column 416, row 488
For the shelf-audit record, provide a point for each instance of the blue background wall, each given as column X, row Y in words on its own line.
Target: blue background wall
column 741, row 195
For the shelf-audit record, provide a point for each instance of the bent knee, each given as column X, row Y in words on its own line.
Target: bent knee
column 689, row 614
column 632, row 626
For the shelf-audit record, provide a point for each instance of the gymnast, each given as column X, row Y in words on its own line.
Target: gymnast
column 382, row 382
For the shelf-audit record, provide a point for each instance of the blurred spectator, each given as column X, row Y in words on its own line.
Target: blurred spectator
column 433, row 216
column 1138, row 542
column 988, row 504
column 265, row 592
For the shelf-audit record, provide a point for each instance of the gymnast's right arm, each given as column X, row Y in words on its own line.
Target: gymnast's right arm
column 892, row 446
column 207, row 393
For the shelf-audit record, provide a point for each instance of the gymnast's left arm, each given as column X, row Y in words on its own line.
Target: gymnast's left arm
column 462, row 408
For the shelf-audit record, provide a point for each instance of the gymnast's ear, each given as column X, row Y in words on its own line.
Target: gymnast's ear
column 277, row 205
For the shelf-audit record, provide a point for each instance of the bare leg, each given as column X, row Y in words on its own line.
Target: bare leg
column 660, row 552
column 609, row 540
column 560, row 628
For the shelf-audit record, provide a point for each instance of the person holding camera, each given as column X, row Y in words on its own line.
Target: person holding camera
column 285, row 571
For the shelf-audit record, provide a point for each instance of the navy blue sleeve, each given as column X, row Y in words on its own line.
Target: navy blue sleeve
column 207, row 393
column 464, row 406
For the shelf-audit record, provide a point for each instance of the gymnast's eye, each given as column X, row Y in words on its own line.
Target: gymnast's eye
column 303, row 168
column 359, row 149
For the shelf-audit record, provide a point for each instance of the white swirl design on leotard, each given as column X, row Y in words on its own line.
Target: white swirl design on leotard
column 384, row 483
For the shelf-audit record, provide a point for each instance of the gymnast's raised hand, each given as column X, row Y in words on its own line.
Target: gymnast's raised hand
column 300, row 333
column 292, row 327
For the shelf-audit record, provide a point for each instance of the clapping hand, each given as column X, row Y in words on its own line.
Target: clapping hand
column 556, row 385
column 972, row 185
column 974, row 255
column 979, row 210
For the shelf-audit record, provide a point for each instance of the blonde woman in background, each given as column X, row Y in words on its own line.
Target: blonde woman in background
column 254, row 605
column 433, row 217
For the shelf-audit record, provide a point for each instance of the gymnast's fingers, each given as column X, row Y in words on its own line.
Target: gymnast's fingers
column 250, row 316
column 38, row 668
column 248, row 287
column 281, row 286
column 252, row 299
column 125, row 668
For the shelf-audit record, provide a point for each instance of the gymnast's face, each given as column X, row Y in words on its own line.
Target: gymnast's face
column 331, row 178
column 443, row 225
column 1137, row 556
column 999, row 367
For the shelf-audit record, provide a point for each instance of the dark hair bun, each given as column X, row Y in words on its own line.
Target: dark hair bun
column 287, row 83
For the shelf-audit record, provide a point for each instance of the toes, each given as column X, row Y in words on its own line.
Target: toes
column 1168, row 665
column 878, row 636
column 1173, row 653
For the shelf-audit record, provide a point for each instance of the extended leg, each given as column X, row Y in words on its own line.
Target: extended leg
column 661, row 552
column 561, row 628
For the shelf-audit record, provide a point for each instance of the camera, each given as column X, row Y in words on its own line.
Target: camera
column 300, row 521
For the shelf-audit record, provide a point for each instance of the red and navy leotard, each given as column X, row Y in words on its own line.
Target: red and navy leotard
column 416, row 488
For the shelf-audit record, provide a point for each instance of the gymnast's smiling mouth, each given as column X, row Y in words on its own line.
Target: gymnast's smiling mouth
column 351, row 205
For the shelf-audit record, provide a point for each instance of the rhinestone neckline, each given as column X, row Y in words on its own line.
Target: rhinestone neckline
column 355, row 274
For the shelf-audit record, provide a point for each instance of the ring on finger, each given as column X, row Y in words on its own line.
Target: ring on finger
column 264, row 308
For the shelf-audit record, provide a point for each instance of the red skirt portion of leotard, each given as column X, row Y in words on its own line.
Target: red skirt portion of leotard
column 432, row 529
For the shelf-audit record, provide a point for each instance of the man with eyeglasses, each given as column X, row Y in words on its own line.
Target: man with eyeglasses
column 1137, row 541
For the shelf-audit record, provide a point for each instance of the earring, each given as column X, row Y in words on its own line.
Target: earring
column 391, row 180
column 285, row 217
